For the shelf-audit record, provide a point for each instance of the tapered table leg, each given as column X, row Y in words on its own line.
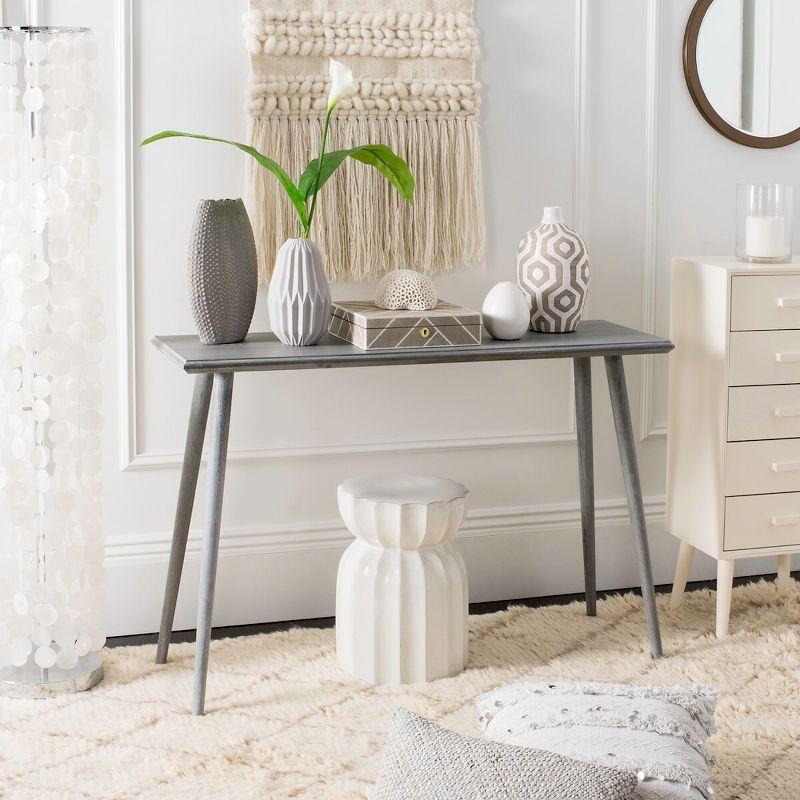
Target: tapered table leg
column 633, row 489
column 685, row 556
column 583, row 416
column 220, row 426
column 183, row 514
column 724, row 593
column 784, row 580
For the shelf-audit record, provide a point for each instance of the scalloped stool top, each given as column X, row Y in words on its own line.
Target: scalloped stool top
column 403, row 489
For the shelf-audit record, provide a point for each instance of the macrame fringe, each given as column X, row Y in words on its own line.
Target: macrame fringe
column 362, row 225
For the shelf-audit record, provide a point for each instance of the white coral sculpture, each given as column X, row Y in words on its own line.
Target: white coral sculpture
column 403, row 289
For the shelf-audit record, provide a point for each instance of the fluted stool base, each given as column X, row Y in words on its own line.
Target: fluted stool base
column 401, row 590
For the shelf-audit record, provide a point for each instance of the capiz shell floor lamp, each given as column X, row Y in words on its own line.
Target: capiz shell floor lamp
column 51, row 535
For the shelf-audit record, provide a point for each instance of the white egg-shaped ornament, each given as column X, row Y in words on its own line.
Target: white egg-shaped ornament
column 506, row 312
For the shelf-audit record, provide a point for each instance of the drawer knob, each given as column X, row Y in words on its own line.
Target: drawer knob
column 785, row 466
column 789, row 302
column 787, row 358
column 784, row 521
column 786, row 411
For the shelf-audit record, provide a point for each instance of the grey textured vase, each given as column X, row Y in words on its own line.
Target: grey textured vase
column 223, row 271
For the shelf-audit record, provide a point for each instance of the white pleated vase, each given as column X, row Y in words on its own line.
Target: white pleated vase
column 299, row 299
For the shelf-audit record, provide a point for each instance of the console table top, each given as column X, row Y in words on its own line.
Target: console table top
column 263, row 352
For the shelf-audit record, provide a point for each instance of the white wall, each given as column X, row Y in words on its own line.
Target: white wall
column 582, row 109
column 784, row 102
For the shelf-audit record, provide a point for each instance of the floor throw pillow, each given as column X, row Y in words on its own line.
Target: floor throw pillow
column 656, row 733
column 423, row 760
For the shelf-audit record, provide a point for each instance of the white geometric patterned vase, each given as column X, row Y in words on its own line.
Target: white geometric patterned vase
column 401, row 590
column 51, row 529
column 553, row 268
column 299, row 297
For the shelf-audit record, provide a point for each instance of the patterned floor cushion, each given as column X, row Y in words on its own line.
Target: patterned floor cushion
column 426, row 762
column 656, row 733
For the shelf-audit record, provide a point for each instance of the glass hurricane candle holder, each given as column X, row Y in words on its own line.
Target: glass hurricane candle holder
column 764, row 223
column 51, row 535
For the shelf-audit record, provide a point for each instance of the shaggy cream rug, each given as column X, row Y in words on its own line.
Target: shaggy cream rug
column 283, row 722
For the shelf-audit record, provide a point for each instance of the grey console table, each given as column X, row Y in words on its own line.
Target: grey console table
column 214, row 366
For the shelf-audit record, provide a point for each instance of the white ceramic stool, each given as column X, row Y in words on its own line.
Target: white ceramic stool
column 401, row 591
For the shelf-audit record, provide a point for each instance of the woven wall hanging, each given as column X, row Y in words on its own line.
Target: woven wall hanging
column 414, row 63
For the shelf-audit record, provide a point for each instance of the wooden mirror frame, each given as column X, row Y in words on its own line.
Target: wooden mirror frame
column 701, row 100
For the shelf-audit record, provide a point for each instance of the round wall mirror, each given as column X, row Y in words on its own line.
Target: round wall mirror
column 741, row 59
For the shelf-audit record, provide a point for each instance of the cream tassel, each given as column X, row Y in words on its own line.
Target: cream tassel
column 363, row 226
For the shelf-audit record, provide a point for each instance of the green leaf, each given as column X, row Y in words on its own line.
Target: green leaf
column 298, row 199
column 330, row 163
column 379, row 156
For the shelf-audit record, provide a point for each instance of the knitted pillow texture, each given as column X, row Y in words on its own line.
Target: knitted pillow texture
column 656, row 733
column 426, row 762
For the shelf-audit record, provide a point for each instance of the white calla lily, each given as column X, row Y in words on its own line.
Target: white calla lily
column 342, row 83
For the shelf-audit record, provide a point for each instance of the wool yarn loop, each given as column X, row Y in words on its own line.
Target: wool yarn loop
column 415, row 92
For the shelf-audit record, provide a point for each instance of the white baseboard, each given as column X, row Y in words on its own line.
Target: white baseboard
column 302, row 536
column 272, row 573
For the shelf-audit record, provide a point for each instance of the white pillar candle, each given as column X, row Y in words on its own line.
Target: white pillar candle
column 765, row 237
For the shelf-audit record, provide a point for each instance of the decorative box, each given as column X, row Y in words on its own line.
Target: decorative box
column 363, row 324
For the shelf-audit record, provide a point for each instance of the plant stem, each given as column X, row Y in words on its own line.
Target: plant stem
column 319, row 172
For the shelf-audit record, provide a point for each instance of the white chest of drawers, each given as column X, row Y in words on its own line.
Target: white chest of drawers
column 733, row 474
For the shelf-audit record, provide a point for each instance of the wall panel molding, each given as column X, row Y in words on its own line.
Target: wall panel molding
column 126, row 307
column 648, row 428
column 580, row 153
column 166, row 459
column 130, row 458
